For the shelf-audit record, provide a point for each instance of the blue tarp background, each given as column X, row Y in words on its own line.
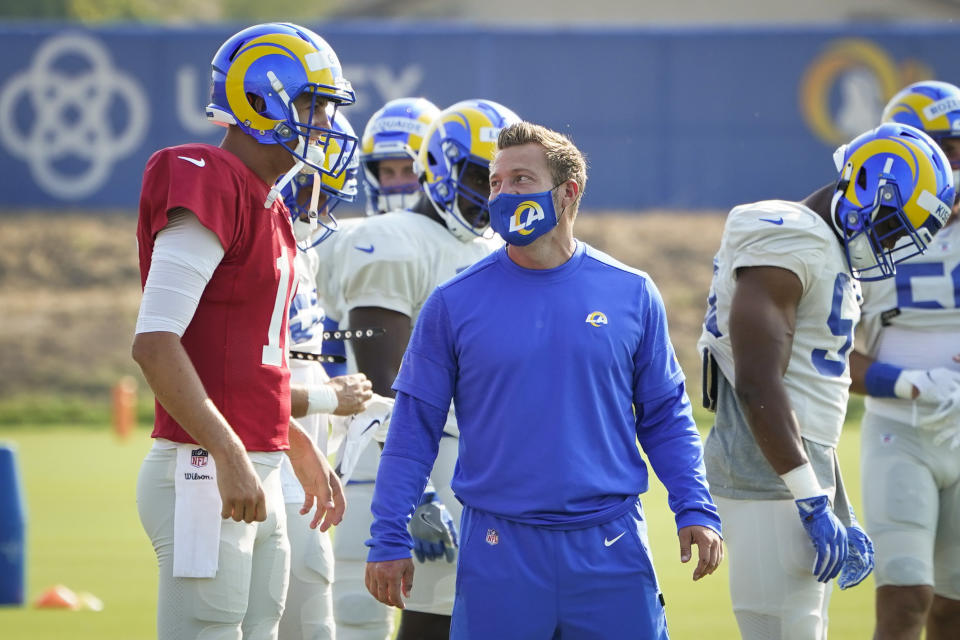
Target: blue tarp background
column 683, row 118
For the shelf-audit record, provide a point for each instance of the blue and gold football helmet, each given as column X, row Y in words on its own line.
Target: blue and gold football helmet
column 336, row 185
column 454, row 163
column 274, row 64
column 395, row 131
column 893, row 194
column 934, row 108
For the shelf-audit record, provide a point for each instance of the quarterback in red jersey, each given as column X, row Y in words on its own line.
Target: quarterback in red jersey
column 216, row 259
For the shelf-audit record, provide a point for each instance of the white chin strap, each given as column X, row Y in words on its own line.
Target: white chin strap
column 281, row 183
column 312, row 212
column 315, row 157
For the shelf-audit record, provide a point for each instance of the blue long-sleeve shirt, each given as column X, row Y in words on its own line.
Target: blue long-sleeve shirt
column 555, row 375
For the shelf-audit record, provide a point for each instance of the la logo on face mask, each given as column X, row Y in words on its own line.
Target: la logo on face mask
column 523, row 225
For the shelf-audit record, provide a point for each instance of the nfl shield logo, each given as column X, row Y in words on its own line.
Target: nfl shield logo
column 198, row 457
column 492, row 537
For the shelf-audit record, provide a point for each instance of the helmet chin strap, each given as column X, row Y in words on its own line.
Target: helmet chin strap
column 283, row 182
column 315, row 157
column 312, row 213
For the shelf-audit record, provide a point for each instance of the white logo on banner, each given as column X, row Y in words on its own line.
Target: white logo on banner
column 72, row 116
column 389, row 85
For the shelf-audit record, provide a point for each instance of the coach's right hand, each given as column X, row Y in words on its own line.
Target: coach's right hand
column 388, row 580
column 241, row 493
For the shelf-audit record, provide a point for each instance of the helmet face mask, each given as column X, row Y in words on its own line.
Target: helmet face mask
column 893, row 194
column 455, row 160
column 275, row 82
column 336, row 184
column 395, row 132
column 471, row 206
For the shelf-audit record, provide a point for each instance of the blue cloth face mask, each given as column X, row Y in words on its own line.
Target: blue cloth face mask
column 521, row 218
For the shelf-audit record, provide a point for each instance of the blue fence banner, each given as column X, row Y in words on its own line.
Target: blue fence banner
column 685, row 118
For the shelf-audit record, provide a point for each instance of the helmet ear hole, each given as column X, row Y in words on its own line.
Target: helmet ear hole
column 233, row 54
column 862, row 178
column 256, row 102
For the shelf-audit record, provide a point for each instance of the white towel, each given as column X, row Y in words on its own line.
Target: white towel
column 361, row 430
column 196, row 517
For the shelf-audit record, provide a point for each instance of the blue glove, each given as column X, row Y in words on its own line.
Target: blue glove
column 828, row 535
column 434, row 533
column 859, row 561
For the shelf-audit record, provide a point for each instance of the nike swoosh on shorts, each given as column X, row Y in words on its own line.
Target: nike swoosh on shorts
column 607, row 542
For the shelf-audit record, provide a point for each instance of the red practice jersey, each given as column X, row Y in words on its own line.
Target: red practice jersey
column 237, row 339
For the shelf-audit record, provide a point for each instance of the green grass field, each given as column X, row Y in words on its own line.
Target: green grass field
column 83, row 532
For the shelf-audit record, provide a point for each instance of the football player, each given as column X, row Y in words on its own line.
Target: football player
column 392, row 139
column 776, row 338
column 388, row 149
column 910, row 432
column 308, row 613
column 390, row 265
column 216, row 253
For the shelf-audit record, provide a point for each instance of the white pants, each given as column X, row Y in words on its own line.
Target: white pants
column 358, row 615
column 435, row 581
column 246, row 597
column 774, row 592
column 308, row 614
column 911, row 505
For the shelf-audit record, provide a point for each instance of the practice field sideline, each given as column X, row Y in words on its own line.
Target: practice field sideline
column 83, row 532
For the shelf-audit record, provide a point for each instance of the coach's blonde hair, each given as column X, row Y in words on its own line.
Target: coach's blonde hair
column 564, row 160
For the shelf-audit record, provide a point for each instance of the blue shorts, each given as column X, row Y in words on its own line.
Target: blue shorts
column 522, row 581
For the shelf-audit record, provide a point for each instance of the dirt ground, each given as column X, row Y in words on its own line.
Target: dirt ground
column 70, row 287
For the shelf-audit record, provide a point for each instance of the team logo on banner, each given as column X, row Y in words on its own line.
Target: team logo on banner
column 844, row 90
column 526, row 213
column 597, row 319
column 199, row 457
column 493, row 537
column 60, row 115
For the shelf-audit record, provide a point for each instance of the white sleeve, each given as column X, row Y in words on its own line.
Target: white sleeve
column 185, row 255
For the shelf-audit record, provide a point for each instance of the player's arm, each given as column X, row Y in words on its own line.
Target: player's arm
column 173, row 379
column 184, row 257
column 940, row 385
column 380, row 357
column 763, row 316
column 320, row 482
column 342, row 396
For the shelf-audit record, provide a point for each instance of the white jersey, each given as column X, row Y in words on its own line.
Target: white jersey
column 394, row 261
column 327, row 267
column 913, row 319
column 790, row 236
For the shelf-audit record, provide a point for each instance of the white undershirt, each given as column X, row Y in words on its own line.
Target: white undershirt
column 185, row 255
